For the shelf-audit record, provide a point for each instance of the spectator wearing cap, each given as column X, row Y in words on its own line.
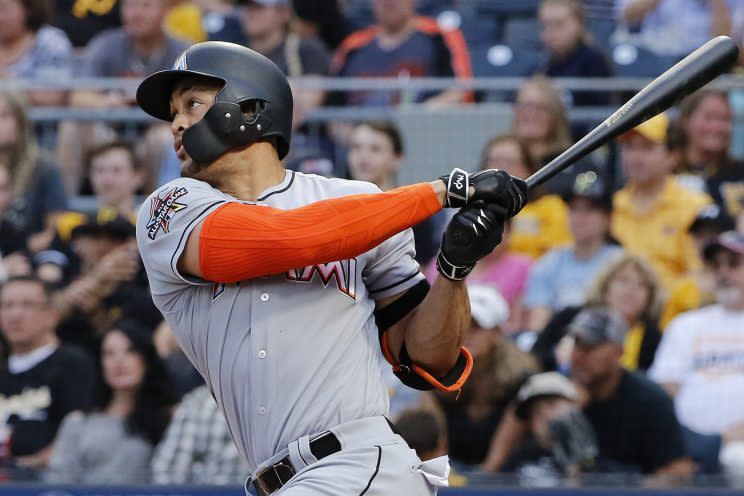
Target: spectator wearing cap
column 542, row 224
column 629, row 286
column 560, row 441
column 698, row 289
column 402, row 44
column 653, row 212
column 700, row 360
column 42, row 381
column 676, row 27
column 110, row 284
column 561, row 277
column 633, row 418
column 498, row 372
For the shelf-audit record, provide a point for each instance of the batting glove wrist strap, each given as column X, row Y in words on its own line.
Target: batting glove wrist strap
column 451, row 271
column 458, row 183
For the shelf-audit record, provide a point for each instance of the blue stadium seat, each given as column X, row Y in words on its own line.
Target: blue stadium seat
column 503, row 60
column 477, row 31
column 635, row 61
column 507, row 8
column 522, row 33
column 432, row 8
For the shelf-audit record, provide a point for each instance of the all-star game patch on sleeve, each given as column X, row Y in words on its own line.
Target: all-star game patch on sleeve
column 164, row 223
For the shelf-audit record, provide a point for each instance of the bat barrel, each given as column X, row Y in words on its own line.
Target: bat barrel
column 687, row 76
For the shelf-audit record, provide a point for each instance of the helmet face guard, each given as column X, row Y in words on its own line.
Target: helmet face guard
column 223, row 127
column 246, row 76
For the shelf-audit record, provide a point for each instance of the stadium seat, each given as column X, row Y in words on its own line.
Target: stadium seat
column 477, row 31
column 522, row 33
column 432, row 8
column 635, row 61
column 506, row 8
column 503, row 61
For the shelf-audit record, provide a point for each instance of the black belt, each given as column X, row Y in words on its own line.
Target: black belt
column 273, row 477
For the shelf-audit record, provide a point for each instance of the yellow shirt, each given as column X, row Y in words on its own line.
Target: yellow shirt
column 541, row 226
column 633, row 341
column 184, row 21
column 660, row 234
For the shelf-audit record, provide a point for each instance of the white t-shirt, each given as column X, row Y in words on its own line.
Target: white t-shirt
column 703, row 352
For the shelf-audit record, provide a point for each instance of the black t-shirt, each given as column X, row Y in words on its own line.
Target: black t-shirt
column 726, row 187
column 83, row 20
column 585, row 61
column 12, row 238
column 38, row 399
column 469, row 440
column 637, row 426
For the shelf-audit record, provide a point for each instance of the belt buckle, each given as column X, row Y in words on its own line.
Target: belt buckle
column 261, row 486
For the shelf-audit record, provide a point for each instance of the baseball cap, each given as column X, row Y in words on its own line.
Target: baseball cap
column 730, row 240
column 487, row 307
column 546, row 384
column 595, row 326
column 654, row 129
column 105, row 222
column 714, row 217
column 591, row 186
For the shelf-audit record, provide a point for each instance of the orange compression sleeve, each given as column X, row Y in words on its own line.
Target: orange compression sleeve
column 239, row 241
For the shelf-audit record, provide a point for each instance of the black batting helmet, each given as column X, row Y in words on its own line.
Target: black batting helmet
column 247, row 77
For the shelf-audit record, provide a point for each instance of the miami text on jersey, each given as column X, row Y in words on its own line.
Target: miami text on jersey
column 344, row 272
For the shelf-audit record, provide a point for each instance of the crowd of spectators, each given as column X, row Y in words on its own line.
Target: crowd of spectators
column 607, row 327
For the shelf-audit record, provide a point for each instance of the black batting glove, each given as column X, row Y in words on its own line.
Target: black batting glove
column 491, row 186
column 472, row 234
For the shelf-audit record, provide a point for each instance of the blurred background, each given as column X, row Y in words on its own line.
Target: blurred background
column 608, row 327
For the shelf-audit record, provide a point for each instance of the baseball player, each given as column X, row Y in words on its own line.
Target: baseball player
column 281, row 286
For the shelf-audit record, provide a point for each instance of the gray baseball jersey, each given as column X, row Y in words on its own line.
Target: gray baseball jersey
column 286, row 355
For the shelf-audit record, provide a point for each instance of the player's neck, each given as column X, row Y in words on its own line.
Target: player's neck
column 246, row 173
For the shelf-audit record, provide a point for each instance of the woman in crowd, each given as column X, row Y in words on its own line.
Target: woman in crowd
column 112, row 442
column 628, row 286
column 375, row 155
column 543, row 222
column 499, row 370
column 701, row 138
column 540, row 121
column 571, row 48
column 31, row 49
column 37, row 191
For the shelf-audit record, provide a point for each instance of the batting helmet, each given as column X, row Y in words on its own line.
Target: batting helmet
column 247, row 77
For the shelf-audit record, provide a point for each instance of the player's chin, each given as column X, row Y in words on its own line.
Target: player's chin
column 189, row 168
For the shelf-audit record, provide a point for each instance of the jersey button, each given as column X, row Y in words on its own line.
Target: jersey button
column 262, row 354
column 264, row 296
column 262, row 410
